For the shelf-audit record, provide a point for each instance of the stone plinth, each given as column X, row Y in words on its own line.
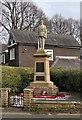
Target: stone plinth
column 52, row 90
column 42, row 74
column 41, row 84
column 41, row 67
column 5, row 96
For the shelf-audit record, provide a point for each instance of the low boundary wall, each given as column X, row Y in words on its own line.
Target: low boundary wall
column 33, row 105
column 60, row 106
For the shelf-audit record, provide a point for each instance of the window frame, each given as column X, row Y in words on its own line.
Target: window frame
column 49, row 52
column 12, row 53
column 3, row 58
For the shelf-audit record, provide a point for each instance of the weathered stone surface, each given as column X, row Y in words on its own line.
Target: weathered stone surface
column 28, row 94
column 5, row 96
column 50, row 90
column 57, row 105
column 42, row 78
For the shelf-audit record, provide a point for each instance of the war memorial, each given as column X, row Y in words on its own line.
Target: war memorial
column 41, row 66
column 41, row 94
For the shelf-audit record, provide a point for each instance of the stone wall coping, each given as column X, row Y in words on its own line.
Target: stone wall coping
column 56, row 102
column 28, row 89
column 5, row 89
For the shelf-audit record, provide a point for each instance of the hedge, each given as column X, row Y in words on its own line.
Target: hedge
column 17, row 78
column 66, row 79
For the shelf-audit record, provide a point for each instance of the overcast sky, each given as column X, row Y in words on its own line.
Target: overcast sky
column 66, row 9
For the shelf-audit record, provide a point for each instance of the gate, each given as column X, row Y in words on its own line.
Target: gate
column 16, row 101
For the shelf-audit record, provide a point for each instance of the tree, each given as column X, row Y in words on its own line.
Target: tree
column 81, row 30
column 27, row 16
column 20, row 15
column 60, row 25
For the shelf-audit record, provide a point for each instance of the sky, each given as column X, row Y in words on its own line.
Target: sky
column 67, row 8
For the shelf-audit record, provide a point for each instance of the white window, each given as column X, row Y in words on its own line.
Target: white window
column 11, row 42
column 50, row 53
column 67, row 57
column 12, row 53
column 3, row 58
column 81, row 51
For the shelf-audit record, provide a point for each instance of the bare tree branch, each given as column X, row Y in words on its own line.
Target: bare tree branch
column 5, row 27
column 20, row 15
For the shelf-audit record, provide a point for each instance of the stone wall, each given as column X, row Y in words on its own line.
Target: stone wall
column 55, row 106
column 59, row 106
column 5, row 96
column 28, row 94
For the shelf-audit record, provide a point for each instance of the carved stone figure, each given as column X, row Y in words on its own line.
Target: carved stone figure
column 42, row 34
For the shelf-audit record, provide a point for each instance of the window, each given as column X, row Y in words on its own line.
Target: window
column 81, row 51
column 11, row 42
column 12, row 53
column 3, row 58
column 50, row 53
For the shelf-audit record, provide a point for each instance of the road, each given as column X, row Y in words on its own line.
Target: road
column 17, row 114
column 48, row 115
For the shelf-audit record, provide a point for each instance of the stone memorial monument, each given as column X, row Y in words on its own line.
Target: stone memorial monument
column 41, row 66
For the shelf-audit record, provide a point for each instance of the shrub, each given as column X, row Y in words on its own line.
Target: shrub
column 16, row 78
column 27, row 76
column 66, row 79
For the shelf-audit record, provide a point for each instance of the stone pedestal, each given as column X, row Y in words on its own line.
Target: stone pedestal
column 42, row 74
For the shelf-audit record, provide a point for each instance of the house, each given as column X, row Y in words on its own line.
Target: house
column 22, row 45
column 67, row 62
column 4, row 54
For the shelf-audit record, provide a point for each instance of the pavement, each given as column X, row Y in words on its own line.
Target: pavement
column 19, row 113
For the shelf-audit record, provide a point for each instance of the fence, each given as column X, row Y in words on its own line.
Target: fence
column 16, row 101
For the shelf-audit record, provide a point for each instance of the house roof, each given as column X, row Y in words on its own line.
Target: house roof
column 31, row 37
column 67, row 63
column 3, row 47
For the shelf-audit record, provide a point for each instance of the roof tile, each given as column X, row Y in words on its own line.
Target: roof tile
column 25, row 36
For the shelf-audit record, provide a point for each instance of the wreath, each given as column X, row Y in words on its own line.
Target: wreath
column 43, row 92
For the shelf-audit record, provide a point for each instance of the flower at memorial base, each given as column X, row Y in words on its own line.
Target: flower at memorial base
column 21, row 94
column 34, row 95
column 58, row 96
column 61, row 95
column 44, row 92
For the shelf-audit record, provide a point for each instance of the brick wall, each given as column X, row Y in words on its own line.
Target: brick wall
column 26, row 58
